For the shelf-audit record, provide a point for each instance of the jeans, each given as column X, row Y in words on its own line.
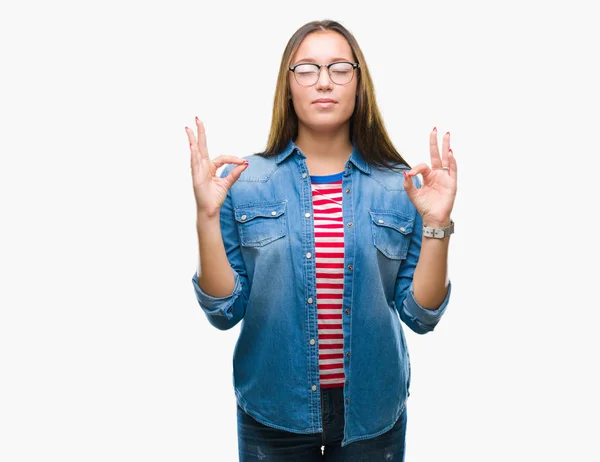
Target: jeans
column 258, row 442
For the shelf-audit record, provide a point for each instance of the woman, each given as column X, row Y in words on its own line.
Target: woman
column 321, row 244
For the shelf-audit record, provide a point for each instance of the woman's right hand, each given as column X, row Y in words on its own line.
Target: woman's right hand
column 210, row 190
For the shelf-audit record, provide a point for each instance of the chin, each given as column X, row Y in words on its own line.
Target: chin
column 324, row 124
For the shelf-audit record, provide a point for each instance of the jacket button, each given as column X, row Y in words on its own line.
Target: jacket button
column 308, row 255
column 350, row 224
column 347, row 191
column 273, row 213
column 244, row 217
column 304, row 175
column 347, row 400
column 312, row 341
column 379, row 221
column 350, row 267
column 402, row 229
column 310, row 300
column 314, row 388
column 348, row 354
column 347, row 311
column 307, row 215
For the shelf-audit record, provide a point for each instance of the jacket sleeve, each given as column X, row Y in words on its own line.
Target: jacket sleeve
column 421, row 320
column 226, row 312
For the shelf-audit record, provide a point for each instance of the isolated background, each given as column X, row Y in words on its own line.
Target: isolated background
column 104, row 351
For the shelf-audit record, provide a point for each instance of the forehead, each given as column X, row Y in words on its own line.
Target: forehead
column 322, row 47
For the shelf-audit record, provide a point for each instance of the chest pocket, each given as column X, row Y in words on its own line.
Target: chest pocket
column 261, row 223
column 391, row 233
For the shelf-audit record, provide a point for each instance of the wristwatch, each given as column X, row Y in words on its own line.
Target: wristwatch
column 438, row 233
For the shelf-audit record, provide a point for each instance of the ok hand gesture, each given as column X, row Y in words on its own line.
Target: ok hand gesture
column 435, row 198
column 209, row 189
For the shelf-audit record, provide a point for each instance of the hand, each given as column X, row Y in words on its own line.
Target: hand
column 210, row 190
column 435, row 198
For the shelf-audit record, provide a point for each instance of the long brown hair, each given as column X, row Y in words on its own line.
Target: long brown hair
column 367, row 130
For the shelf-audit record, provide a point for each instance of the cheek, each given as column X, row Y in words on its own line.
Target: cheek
column 350, row 101
column 300, row 97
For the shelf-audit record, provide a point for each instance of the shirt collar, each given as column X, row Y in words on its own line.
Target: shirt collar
column 356, row 157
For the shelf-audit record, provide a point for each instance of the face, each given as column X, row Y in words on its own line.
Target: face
column 323, row 47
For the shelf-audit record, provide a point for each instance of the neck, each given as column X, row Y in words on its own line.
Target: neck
column 326, row 152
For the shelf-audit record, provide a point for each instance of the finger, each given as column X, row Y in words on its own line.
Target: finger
column 452, row 164
column 422, row 168
column 202, row 148
column 234, row 175
column 436, row 161
column 445, row 148
column 409, row 187
column 193, row 149
column 224, row 159
column 191, row 137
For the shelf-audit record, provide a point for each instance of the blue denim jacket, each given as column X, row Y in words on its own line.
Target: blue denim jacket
column 268, row 231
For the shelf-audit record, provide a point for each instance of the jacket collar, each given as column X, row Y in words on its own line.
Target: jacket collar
column 356, row 157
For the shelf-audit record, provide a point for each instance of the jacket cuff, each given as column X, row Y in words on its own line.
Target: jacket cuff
column 220, row 306
column 423, row 315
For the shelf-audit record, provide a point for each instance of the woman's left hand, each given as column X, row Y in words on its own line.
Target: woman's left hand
column 435, row 198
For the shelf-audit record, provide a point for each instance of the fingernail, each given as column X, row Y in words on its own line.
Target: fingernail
column 246, row 162
column 450, row 151
column 447, row 133
column 434, row 129
column 186, row 128
column 197, row 120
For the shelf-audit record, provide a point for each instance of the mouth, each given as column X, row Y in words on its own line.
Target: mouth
column 324, row 102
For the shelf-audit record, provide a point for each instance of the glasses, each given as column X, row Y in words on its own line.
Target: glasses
column 307, row 74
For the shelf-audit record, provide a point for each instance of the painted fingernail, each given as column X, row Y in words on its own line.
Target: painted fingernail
column 186, row 128
column 197, row 120
column 434, row 129
column 447, row 133
column 246, row 162
column 450, row 151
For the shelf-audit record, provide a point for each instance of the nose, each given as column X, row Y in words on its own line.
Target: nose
column 324, row 79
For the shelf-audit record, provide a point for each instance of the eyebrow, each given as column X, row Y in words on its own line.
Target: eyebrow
column 333, row 60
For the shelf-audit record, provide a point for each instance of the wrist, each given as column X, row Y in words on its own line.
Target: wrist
column 207, row 220
column 436, row 222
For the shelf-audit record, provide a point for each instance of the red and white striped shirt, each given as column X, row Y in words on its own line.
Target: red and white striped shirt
column 329, row 259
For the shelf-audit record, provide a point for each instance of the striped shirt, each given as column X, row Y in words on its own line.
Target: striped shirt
column 329, row 259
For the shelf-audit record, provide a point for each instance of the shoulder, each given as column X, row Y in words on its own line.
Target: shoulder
column 259, row 168
column 392, row 179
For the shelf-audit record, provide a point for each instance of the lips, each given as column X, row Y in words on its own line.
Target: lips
column 324, row 100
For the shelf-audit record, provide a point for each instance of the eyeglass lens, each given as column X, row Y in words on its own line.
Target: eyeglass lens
column 308, row 74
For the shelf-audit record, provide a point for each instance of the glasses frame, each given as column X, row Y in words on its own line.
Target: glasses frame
column 328, row 66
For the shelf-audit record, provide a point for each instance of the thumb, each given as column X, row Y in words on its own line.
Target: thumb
column 409, row 187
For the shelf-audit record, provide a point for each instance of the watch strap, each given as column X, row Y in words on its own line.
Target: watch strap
column 438, row 233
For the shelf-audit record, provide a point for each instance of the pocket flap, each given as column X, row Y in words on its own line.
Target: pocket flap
column 393, row 220
column 247, row 212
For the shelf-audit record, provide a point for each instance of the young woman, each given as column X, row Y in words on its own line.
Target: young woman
column 321, row 244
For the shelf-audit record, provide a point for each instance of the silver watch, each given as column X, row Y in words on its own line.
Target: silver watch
column 438, row 233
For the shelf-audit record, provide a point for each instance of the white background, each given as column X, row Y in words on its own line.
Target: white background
column 104, row 351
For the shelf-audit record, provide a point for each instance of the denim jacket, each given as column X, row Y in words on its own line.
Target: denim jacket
column 268, row 231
